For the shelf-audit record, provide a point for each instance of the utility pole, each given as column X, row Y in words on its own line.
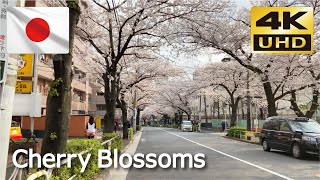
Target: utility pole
column 34, row 92
column 7, row 91
column 134, row 125
column 6, row 113
column 205, row 108
column 248, row 102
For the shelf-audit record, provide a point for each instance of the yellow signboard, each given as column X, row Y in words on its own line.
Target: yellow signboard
column 25, row 66
column 23, row 86
column 98, row 122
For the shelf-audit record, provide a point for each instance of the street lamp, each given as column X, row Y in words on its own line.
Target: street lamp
column 256, row 112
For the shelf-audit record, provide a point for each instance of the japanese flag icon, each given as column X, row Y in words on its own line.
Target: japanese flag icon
column 38, row 30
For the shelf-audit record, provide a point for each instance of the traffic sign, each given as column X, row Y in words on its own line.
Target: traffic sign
column 24, row 87
column 25, row 66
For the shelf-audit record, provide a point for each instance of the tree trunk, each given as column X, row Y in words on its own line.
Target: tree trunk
column 261, row 113
column 311, row 110
column 138, row 117
column 125, row 122
column 242, row 109
column 218, row 109
column 110, row 99
column 124, row 112
column 205, row 108
column 272, row 110
column 180, row 117
column 60, row 96
column 314, row 105
column 234, row 107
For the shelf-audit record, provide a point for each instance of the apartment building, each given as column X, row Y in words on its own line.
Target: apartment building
column 80, row 85
column 97, row 101
column 98, row 104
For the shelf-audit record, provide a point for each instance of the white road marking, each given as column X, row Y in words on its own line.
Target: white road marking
column 230, row 156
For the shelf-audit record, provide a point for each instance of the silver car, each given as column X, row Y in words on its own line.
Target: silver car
column 186, row 126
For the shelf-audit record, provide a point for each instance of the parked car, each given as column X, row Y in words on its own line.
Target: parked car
column 186, row 126
column 295, row 135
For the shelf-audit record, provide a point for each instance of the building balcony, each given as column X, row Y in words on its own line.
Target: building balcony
column 78, row 105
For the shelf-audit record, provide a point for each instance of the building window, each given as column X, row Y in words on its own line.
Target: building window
column 78, row 96
column 82, row 112
column 100, row 93
column 101, row 107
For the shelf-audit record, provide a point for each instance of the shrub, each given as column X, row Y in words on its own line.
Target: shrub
column 257, row 134
column 195, row 127
column 176, row 126
column 115, row 144
column 236, row 131
column 75, row 146
column 130, row 130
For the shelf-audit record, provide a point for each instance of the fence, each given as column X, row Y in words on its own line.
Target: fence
column 48, row 173
column 241, row 123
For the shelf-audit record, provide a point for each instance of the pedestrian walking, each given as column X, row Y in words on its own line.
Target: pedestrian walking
column 91, row 128
column 223, row 126
column 116, row 124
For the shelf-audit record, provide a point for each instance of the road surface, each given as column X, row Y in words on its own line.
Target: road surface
column 226, row 159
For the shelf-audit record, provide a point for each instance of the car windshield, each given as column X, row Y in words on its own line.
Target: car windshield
column 305, row 126
column 187, row 122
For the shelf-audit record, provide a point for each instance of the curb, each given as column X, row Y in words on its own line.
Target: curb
column 241, row 140
column 130, row 142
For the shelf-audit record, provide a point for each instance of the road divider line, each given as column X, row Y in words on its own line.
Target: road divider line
column 230, row 156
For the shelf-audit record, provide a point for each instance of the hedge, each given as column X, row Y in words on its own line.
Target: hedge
column 257, row 134
column 115, row 144
column 195, row 127
column 176, row 126
column 235, row 131
column 130, row 131
column 75, row 146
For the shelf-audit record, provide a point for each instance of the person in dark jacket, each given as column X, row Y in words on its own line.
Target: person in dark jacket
column 91, row 128
column 224, row 125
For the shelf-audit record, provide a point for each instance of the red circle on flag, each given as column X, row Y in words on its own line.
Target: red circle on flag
column 37, row 30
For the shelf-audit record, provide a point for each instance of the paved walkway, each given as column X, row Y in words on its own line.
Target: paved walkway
column 121, row 173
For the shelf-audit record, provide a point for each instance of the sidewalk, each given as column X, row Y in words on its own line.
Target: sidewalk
column 222, row 134
column 120, row 173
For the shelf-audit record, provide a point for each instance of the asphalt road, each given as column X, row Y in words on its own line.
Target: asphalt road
column 226, row 159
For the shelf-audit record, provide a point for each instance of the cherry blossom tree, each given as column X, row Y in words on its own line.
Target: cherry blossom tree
column 230, row 77
column 116, row 30
column 229, row 33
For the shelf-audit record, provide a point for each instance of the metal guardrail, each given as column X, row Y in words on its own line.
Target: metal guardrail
column 48, row 173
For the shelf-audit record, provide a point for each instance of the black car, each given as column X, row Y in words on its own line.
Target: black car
column 295, row 135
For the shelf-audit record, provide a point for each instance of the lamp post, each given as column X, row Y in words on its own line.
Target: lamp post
column 248, row 103
column 256, row 111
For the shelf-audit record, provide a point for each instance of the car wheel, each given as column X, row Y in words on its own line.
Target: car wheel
column 297, row 151
column 265, row 145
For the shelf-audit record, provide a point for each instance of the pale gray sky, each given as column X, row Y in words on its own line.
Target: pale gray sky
column 243, row 3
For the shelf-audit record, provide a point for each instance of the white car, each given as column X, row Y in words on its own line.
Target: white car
column 186, row 126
